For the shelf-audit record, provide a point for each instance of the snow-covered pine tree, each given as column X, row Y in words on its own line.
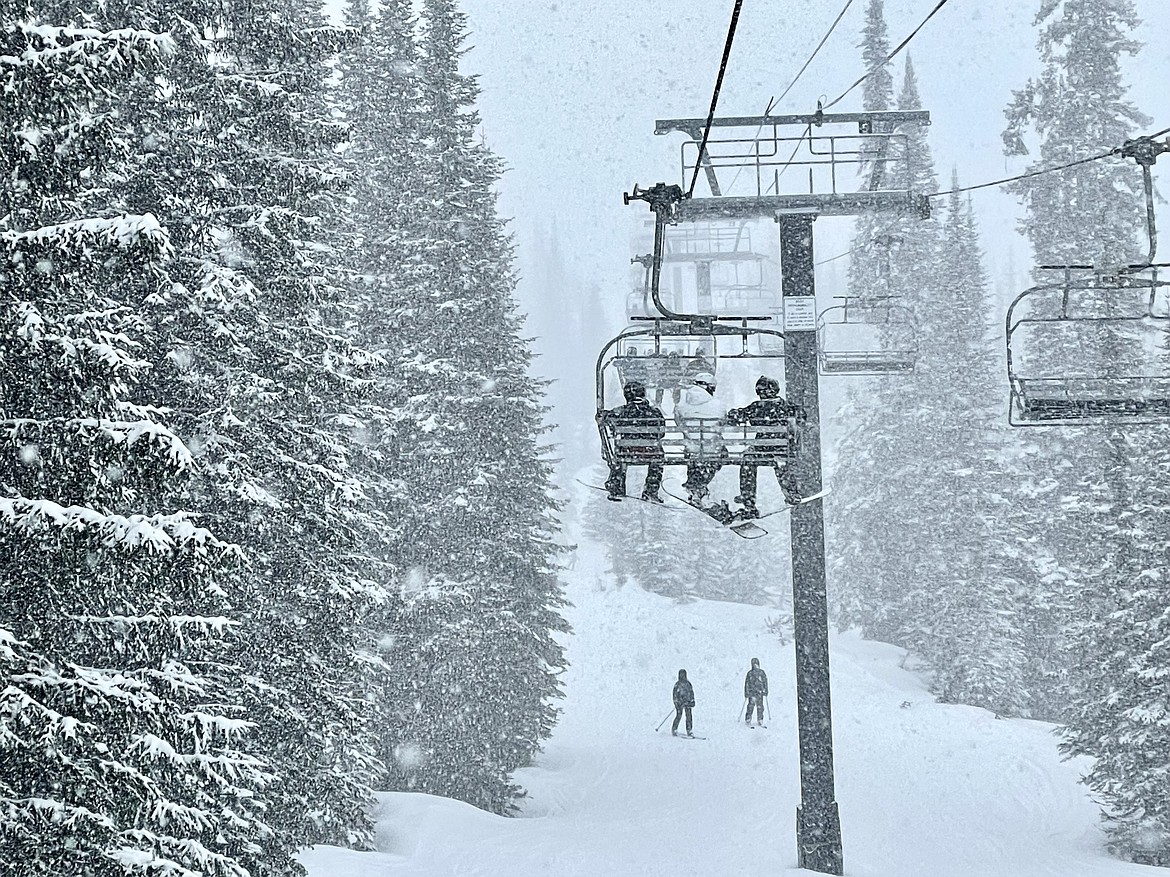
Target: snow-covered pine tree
column 886, row 418
column 1111, row 512
column 1123, row 720
column 871, row 236
column 120, row 734
column 253, row 354
column 975, row 646
column 472, row 647
column 1078, row 107
column 878, row 90
column 920, row 466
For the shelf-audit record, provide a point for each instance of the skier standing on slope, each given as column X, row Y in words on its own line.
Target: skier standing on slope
column 684, row 699
column 755, row 689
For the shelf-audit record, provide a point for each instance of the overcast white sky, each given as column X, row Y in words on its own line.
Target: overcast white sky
column 571, row 89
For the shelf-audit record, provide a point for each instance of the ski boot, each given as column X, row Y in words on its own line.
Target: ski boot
column 749, row 511
column 652, row 497
column 721, row 512
column 696, row 497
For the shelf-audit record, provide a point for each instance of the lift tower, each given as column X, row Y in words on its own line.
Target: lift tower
column 795, row 168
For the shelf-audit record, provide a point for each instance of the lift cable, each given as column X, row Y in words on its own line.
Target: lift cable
column 1048, row 170
column 773, row 101
column 889, row 57
column 1117, row 150
column 820, row 45
column 821, row 107
column 715, row 95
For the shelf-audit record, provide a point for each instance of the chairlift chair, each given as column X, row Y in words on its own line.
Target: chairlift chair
column 643, row 353
column 872, row 336
column 1090, row 350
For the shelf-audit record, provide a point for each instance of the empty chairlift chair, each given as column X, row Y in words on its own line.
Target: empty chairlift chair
column 1090, row 349
column 866, row 337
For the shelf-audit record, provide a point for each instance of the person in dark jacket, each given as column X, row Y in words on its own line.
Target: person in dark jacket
column 697, row 365
column 772, row 410
column 755, row 689
column 671, row 377
column 644, row 443
column 684, row 699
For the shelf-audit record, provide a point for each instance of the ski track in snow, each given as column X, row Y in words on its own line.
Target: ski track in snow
column 924, row 788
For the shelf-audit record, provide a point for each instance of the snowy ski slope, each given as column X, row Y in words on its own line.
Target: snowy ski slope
column 924, row 788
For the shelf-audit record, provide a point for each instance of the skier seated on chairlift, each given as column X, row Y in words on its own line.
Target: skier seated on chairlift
column 699, row 416
column 672, row 375
column 771, row 409
column 645, row 443
column 697, row 365
column 632, row 368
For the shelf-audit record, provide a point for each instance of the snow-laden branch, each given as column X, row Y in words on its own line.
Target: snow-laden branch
column 161, row 534
column 126, row 232
column 118, row 432
column 46, row 46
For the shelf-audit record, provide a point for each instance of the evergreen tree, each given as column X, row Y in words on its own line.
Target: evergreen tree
column 253, row 354
column 1123, row 720
column 120, row 728
column 1077, row 108
column 878, row 89
column 929, row 562
column 870, row 240
column 470, row 634
column 1110, row 508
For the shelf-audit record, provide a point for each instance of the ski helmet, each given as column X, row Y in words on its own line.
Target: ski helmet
column 706, row 380
column 755, row 662
column 767, row 388
column 682, row 675
column 634, row 390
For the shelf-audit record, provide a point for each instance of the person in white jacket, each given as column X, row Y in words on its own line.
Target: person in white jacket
column 698, row 417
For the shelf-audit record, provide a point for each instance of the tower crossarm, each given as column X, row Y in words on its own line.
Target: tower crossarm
column 865, row 121
column 775, row 206
column 839, row 164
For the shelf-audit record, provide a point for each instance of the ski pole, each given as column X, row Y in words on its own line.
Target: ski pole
column 767, row 707
column 741, row 709
column 663, row 722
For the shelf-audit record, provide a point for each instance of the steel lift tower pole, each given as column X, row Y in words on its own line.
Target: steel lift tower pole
column 818, row 823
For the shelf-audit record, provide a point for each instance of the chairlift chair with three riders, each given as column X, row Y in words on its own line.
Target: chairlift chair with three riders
column 665, row 352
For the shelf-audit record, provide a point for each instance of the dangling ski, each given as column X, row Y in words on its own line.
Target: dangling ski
column 818, row 495
column 671, row 508
column 720, row 513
